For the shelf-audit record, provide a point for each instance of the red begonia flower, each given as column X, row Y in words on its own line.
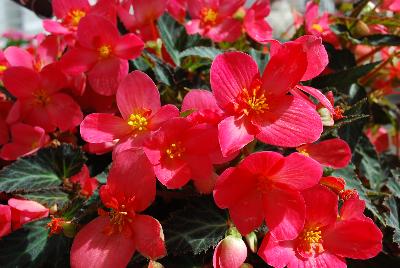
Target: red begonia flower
column 24, row 211
column 87, row 184
column 267, row 185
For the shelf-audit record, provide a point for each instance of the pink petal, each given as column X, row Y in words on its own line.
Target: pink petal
column 334, row 153
column 61, row 105
column 263, row 163
column 165, row 113
column 352, row 209
column 128, row 47
column 54, row 27
column 284, row 211
column 299, row 123
column 137, row 93
column 132, row 175
column 258, row 29
column 247, row 213
column 17, row 56
column 285, row 69
column 229, row 30
column 62, row 7
column 230, row 73
column 356, row 239
column 37, row 116
column 78, row 60
column 23, row 211
column 98, row 128
column 200, row 167
column 93, row 248
column 148, row 236
column 230, row 252
column 228, row 7
column 233, row 135
column 321, row 206
column 21, row 81
column 106, row 75
column 193, row 27
column 95, row 31
column 173, row 174
column 52, row 79
column 276, row 253
column 298, row 172
column 319, row 96
column 5, row 220
column 199, row 99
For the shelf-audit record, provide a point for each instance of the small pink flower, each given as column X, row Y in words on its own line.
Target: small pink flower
column 138, row 101
column 393, row 5
column 255, row 23
column 24, row 211
column 267, row 185
column 87, row 184
column 112, row 238
column 231, row 252
column 25, row 140
column 5, row 220
column 327, row 237
column 379, row 138
column 102, row 53
column 334, row 153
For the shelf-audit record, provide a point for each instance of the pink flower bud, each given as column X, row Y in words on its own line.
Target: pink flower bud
column 231, row 252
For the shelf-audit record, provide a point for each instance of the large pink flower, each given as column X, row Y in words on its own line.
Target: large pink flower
column 112, row 238
column 267, row 185
column 181, row 151
column 327, row 237
column 261, row 106
column 102, row 52
column 138, row 101
column 39, row 100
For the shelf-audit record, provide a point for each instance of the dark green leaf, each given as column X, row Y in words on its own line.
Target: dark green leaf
column 48, row 197
column 162, row 70
column 196, row 228
column 343, row 79
column 353, row 182
column 392, row 218
column 30, row 246
column 42, row 171
column 394, row 182
column 204, row 52
column 260, row 58
column 382, row 40
column 169, row 32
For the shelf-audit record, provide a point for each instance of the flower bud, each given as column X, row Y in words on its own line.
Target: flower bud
column 69, row 229
column 360, row 29
column 231, row 252
column 251, row 240
column 154, row 264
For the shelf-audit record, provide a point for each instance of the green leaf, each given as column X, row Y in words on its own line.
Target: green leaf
column 30, row 246
column 392, row 218
column 343, row 79
column 196, row 228
column 353, row 182
column 48, row 197
column 394, row 182
column 366, row 158
column 382, row 40
column 162, row 71
column 203, row 52
column 170, row 31
column 261, row 58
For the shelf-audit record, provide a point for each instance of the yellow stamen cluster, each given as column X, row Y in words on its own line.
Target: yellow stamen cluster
column 256, row 102
column 41, row 97
column 175, row 150
column 317, row 27
column 104, row 51
column 209, row 16
column 138, row 122
column 311, row 236
column 304, row 152
column 75, row 16
column 2, row 68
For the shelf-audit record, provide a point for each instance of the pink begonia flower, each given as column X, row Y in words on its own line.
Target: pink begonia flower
column 267, row 185
column 255, row 24
column 177, row 9
column 102, row 53
column 142, row 21
column 25, row 140
column 334, row 153
column 319, row 25
column 138, row 101
column 24, row 211
column 230, row 252
column 327, row 237
column 87, row 184
column 39, row 100
column 259, row 107
column 379, row 138
column 111, row 239
column 181, row 150
column 392, row 5
column 5, row 220
column 214, row 19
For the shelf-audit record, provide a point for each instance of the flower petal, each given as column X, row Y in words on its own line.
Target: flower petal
column 128, row 47
column 199, row 99
column 21, row 81
column 95, row 31
column 5, row 220
column 17, row 56
column 64, row 112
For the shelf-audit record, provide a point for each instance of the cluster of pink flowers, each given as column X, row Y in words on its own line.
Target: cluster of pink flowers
column 79, row 77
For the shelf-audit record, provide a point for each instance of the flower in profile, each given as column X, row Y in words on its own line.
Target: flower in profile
column 24, row 211
column 112, row 238
column 87, row 184
column 334, row 153
column 267, row 185
column 328, row 237
column 25, row 140
column 254, row 22
column 230, row 252
column 260, row 107
column 139, row 103
column 102, row 53
column 39, row 100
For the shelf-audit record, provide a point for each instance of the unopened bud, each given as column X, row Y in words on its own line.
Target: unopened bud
column 69, row 229
column 360, row 29
column 154, row 264
column 252, row 242
column 230, row 252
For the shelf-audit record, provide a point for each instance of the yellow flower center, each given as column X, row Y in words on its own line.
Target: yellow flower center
column 2, row 68
column 42, row 98
column 310, row 242
column 303, row 152
column 138, row 122
column 175, row 150
column 104, row 51
column 317, row 27
column 311, row 236
column 255, row 100
column 209, row 16
column 75, row 16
